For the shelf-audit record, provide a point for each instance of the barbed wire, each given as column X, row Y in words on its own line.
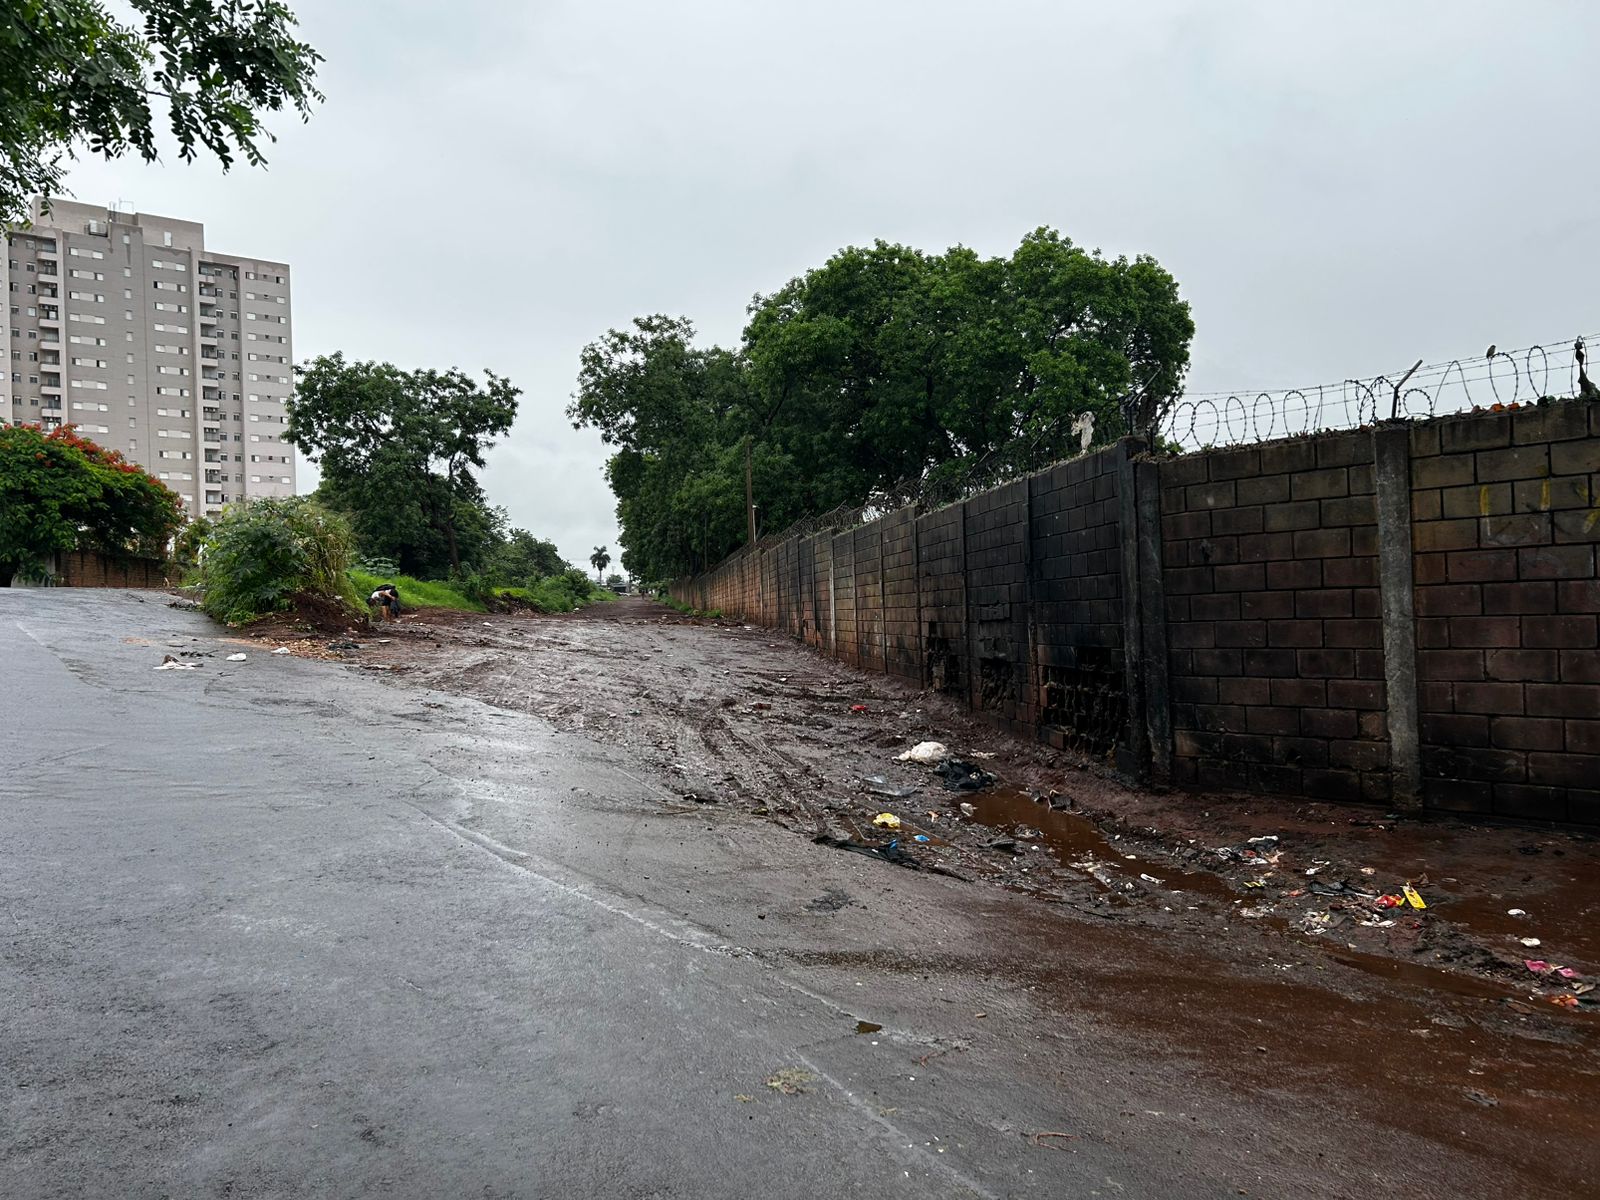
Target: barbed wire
column 1504, row 378
column 1501, row 378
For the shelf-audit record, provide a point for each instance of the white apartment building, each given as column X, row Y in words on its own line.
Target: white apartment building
column 126, row 326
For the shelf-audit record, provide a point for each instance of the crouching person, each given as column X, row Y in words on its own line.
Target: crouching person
column 387, row 598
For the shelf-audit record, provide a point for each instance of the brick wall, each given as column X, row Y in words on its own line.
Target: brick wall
column 88, row 569
column 1504, row 512
column 1268, row 593
column 1270, row 573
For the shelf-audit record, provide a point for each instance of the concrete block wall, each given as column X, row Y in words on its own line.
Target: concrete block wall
column 997, row 603
column 1075, row 607
column 942, row 600
column 1405, row 615
column 1506, row 517
column 902, row 643
column 1275, row 641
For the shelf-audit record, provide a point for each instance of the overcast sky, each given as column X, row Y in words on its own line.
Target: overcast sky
column 1339, row 189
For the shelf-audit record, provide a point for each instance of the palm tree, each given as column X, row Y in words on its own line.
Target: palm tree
column 599, row 560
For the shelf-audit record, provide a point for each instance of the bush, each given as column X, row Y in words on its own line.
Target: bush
column 262, row 554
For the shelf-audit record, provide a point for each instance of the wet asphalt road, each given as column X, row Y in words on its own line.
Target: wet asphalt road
column 274, row 928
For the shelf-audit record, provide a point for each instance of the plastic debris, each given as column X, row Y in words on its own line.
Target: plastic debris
column 1565, row 972
column 1369, row 870
column 858, row 708
column 1530, row 942
column 880, row 785
column 1268, row 842
column 237, row 657
column 1515, row 912
column 1390, row 901
column 967, row 810
column 886, row 820
column 1537, row 965
column 170, row 663
column 1563, row 1001
column 926, row 752
column 281, row 650
column 1413, row 897
column 961, row 776
column 921, row 837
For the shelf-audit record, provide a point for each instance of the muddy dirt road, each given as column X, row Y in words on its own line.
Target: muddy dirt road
column 1157, row 914
column 522, row 907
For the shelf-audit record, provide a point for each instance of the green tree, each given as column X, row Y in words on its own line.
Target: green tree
column 600, row 560
column 398, row 450
column 884, row 376
column 73, row 75
column 61, row 492
column 520, row 558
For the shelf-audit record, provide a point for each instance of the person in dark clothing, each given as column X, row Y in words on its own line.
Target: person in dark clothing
column 387, row 598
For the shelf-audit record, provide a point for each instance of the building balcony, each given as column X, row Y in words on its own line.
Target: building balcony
column 51, row 317
column 50, row 252
column 51, row 389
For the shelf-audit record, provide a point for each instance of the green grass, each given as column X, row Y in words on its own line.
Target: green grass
column 417, row 593
column 689, row 610
column 556, row 594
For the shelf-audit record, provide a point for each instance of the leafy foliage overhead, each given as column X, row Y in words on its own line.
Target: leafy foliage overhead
column 61, row 492
column 73, row 75
column 398, row 450
column 877, row 377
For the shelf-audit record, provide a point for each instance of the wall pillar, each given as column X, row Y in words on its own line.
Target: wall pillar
column 1391, row 457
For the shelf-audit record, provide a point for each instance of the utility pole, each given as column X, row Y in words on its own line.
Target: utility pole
column 749, row 492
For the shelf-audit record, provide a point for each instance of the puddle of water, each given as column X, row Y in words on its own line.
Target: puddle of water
column 1073, row 839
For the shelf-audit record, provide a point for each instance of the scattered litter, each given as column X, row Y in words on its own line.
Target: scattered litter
column 1252, row 913
column 886, row 820
column 892, row 853
column 1413, row 897
column 1150, row 879
column 1375, row 923
column 791, row 1081
column 1369, row 870
column 921, row 837
column 172, row 664
column 983, row 755
column 1390, row 901
column 1254, row 883
column 961, row 776
column 858, row 708
column 1269, row 842
column 488, row 624
column 926, row 752
column 1565, row 972
column 1564, row 1000
column 281, row 650
column 1037, row 1139
column 1515, row 912
column 1529, row 942
column 1029, row 833
column 967, row 810
column 237, row 657
column 879, row 785
column 1537, row 965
